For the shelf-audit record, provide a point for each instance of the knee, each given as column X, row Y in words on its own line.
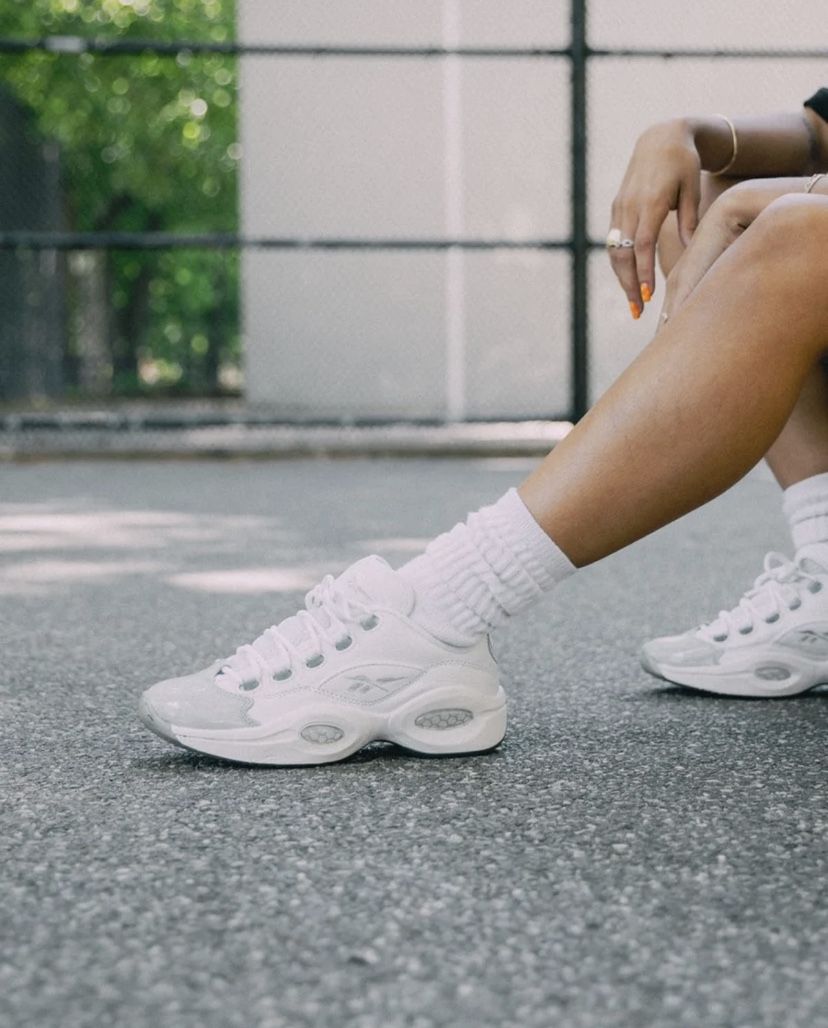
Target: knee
column 793, row 230
column 784, row 257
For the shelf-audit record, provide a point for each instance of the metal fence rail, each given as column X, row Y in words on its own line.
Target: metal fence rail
column 577, row 244
column 130, row 47
column 25, row 239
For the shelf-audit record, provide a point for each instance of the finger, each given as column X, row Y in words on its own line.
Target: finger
column 623, row 264
column 688, row 208
column 646, row 238
column 617, row 216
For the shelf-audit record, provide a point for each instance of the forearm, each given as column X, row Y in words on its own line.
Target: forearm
column 747, row 199
column 773, row 145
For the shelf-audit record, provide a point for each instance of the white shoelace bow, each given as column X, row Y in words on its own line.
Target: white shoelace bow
column 330, row 609
column 778, row 589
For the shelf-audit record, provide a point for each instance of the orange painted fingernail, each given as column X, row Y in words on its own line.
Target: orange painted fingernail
column 635, row 310
column 646, row 293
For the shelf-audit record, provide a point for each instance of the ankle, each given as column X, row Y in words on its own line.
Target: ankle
column 486, row 569
column 805, row 505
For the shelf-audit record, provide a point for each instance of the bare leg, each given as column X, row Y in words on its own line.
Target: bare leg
column 802, row 447
column 680, row 426
column 801, row 450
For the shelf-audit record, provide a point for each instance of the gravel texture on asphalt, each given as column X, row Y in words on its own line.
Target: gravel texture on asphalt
column 635, row 854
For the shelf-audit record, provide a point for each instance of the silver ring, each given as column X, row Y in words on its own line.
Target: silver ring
column 613, row 240
column 626, row 244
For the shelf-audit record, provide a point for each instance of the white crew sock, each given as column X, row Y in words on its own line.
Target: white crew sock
column 805, row 505
column 484, row 571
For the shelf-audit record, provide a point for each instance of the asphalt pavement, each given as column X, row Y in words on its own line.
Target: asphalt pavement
column 634, row 855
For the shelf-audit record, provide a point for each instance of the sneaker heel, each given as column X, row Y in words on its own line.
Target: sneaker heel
column 457, row 724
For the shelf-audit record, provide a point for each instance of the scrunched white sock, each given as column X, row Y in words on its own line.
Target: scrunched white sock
column 805, row 505
column 484, row 571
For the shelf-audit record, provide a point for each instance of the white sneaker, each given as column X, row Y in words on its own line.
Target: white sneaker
column 773, row 643
column 351, row 668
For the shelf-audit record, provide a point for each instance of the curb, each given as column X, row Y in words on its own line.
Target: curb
column 67, row 435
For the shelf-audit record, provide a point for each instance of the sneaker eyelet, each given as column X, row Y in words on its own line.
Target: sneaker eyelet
column 720, row 638
column 815, row 587
column 343, row 644
column 283, row 676
column 746, row 631
column 771, row 619
column 250, row 685
column 795, row 605
column 370, row 622
column 316, row 661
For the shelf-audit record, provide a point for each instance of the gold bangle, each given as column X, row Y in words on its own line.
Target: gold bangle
column 733, row 156
column 812, row 181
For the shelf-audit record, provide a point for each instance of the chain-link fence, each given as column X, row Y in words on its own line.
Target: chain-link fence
column 130, row 254
column 125, row 151
column 33, row 326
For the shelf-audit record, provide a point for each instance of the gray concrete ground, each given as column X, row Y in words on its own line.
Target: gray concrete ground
column 635, row 854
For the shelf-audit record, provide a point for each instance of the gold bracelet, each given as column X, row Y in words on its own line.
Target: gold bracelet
column 733, row 156
column 812, row 181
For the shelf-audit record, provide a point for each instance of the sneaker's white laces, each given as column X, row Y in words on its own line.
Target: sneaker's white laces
column 778, row 589
column 331, row 607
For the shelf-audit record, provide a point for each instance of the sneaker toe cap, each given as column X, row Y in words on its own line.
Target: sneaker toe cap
column 686, row 650
column 195, row 701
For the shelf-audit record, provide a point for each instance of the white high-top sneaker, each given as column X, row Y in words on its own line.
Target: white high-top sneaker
column 773, row 643
column 350, row 668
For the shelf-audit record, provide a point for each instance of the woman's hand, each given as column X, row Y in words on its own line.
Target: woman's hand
column 726, row 219
column 664, row 174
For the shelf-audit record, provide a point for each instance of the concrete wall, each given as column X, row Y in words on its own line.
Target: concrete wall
column 412, row 147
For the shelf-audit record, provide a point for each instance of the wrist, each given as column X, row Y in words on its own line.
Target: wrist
column 674, row 134
column 715, row 141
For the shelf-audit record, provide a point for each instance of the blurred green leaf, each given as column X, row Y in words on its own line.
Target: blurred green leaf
column 147, row 142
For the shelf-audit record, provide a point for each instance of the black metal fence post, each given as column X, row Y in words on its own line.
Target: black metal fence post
column 578, row 188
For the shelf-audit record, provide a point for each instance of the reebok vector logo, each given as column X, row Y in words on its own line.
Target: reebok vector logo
column 810, row 641
column 365, row 687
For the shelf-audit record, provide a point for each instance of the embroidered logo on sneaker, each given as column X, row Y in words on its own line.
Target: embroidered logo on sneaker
column 811, row 641
column 364, row 686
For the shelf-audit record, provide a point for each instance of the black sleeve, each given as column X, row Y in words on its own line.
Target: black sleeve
column 819, row 103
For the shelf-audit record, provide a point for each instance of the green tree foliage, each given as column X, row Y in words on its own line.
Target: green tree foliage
column 148, row 143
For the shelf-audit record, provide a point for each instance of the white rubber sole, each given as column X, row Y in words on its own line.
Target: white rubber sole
column 444, row 721
column 748, row 681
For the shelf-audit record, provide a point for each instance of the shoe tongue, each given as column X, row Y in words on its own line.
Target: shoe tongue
column 373, row 582
column 376, row 582
column 813, row 558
